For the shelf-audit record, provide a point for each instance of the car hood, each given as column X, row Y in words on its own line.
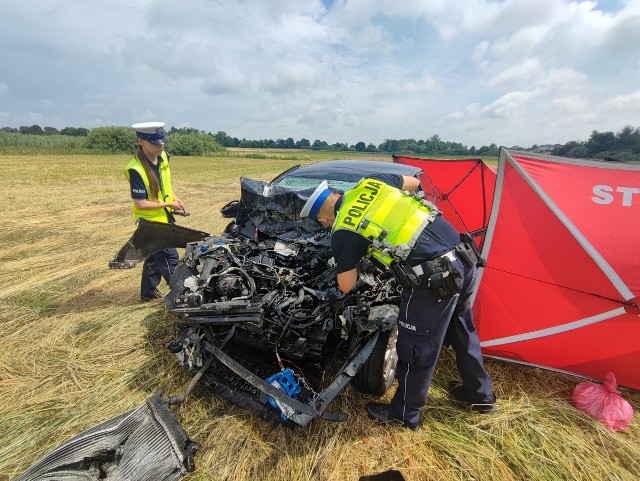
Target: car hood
column 275, row 211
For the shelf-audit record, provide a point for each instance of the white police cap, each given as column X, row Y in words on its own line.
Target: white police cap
column 315, row 201
column 150, row 131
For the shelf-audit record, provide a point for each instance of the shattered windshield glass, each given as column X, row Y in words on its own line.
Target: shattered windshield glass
column 304, row 183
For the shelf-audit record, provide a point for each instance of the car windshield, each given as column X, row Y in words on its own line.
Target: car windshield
column 342, row 175
column 306, row 183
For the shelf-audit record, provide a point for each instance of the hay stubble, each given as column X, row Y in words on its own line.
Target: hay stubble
column 78, row 348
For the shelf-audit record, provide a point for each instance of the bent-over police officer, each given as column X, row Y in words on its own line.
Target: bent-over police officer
column 383, row 218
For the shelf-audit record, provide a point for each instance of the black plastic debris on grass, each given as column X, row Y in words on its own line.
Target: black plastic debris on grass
column 391, row 475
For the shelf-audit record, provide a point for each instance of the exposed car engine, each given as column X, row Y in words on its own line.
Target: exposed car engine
column 283, row 294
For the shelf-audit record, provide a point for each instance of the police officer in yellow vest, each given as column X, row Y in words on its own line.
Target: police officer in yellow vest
column 153, row 198
column 383, row 219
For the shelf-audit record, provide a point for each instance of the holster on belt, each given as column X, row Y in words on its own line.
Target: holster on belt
column 446, row 284
column 468, row 253
column 441, row 276
column 444, row 280
column 405, row 275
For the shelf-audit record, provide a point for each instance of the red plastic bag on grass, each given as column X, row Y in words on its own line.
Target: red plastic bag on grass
column 604, row 403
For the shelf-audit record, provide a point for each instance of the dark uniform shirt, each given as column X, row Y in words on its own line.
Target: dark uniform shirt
column 349, row 247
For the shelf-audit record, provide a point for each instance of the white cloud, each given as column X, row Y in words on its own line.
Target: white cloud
column 626, row 103
column 408, row 85
column 512, row 104
column 564, row 78
column 291, row 77
column 518, row 74
column 471, row 71
column 226, row 79
column 568, row 104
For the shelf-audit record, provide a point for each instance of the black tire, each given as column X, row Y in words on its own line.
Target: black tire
column 377, row 374
column 176, row 284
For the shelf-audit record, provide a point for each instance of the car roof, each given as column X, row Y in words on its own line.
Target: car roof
column 343, row 169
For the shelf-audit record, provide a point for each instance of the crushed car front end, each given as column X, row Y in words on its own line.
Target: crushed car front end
column 258, row 313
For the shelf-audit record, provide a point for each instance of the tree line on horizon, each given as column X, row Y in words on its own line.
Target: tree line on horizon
column 623, row 145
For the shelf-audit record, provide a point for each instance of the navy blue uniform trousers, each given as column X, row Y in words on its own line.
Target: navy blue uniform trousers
column 424, row 325
column 157, row 266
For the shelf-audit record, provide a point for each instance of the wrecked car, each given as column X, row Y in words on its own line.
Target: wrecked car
column 257, row 312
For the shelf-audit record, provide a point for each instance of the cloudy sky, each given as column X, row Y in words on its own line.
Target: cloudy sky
column 510, row 72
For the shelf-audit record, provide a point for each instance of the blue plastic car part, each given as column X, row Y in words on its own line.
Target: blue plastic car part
column 286, row 382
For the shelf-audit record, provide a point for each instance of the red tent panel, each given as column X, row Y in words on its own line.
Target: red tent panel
column 562, row 284
column 604, row 204
column 451, row 183
column 560, row 288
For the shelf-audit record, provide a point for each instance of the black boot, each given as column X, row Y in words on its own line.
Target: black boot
column 383, row 413
column 155, row 294
column 456, row 389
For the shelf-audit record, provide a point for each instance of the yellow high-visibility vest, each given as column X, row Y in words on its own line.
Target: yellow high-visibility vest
column 165, row 192
column 390, row 218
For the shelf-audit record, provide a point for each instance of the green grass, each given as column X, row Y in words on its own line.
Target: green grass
column 78, row 348
column 29, row 144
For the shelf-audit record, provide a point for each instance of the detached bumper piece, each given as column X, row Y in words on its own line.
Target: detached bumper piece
column 144, row 444
column 263, row 394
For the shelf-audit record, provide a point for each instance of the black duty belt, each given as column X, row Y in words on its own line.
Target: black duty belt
column 419, row 270
column 438, row 273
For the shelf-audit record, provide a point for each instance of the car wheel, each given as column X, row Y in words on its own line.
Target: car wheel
column 378, row 373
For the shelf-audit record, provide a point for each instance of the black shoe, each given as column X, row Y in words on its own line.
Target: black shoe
column 382, row 412
column 455, row 393
column 155, row 294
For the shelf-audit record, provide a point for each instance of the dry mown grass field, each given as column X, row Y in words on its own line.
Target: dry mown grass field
column 78, row 348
